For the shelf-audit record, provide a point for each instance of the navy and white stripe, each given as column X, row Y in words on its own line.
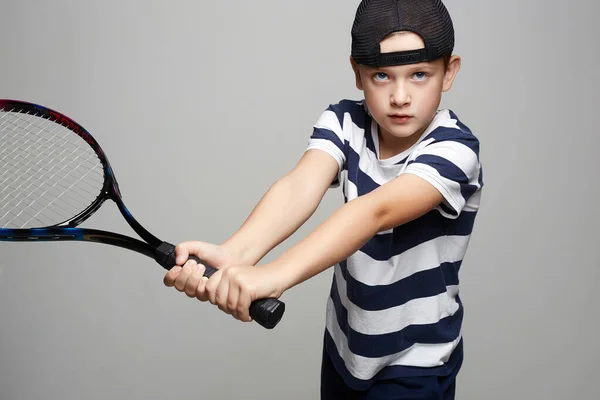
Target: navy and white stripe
column 394, row 308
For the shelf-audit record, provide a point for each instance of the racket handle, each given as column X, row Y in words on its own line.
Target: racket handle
column 266, row 312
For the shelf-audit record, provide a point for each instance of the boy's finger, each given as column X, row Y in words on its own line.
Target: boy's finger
column 171, row 276
column 188, row 269
column 182, row 253
column 193, row 281
column 243, row 307
column 185, row 249
column 232, row 300
column 211, row 287
column 201, row 289
column 221, row 296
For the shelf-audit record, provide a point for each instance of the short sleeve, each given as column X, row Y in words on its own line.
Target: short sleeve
column 328, row 136
column 451, row 164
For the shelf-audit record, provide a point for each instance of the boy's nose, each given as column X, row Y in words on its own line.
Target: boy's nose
column 400, row 95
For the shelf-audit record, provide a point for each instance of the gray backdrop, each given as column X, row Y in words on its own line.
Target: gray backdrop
column 182, row 94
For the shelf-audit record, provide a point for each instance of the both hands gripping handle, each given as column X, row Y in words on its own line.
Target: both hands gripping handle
column 267, row 312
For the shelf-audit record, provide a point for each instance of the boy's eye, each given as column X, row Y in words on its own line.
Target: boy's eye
column 419, row 76
column 381, row 77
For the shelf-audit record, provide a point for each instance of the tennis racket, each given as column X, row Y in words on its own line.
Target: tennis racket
column 54, row 176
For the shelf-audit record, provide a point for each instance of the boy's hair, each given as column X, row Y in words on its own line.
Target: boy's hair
column 376, row 19
column 447, row 58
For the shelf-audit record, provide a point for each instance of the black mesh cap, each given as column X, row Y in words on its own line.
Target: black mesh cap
column 376, row 19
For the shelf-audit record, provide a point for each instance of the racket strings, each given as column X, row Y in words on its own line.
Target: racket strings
column 30, row 182
column 68, row 198
column 41, row 155
column 32, row 165
column 48, row 174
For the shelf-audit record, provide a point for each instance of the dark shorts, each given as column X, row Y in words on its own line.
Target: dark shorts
column 333, row 386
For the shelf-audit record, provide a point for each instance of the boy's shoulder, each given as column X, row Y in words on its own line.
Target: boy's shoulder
column 349, row 105
column 344, row 111
column 344, row 107
column 446, row 126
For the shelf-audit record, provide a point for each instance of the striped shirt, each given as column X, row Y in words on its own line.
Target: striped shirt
column 394, row 309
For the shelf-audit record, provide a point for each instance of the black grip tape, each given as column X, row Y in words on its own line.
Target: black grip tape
column 266, row 312
column 210, row 270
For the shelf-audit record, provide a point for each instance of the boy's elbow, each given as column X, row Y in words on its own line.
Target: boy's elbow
column 385, row 217
column 374, row 214
column 398, row 204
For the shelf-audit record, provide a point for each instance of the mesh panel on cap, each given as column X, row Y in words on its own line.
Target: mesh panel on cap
column 376, row 19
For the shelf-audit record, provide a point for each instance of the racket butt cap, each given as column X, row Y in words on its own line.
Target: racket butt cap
column 267, row 312
column 165, row 255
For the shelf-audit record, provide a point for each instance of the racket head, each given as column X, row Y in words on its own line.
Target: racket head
column 44, row 155
column 53, row 173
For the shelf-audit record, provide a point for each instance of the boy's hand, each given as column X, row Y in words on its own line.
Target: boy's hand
column 234, row 288
column 185, row 277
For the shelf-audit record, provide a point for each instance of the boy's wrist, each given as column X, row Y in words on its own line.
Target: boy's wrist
column 240, row 252
column 285, row 276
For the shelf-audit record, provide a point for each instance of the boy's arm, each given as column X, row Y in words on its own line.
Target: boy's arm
column 287, row 205
column 348, row 229
column 233, row 289
column 281, row 211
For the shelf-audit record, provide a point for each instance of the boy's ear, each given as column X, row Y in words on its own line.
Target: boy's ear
column 356, row 70
column 451, row 71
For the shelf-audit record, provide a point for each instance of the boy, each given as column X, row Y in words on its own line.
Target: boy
column 411, row 178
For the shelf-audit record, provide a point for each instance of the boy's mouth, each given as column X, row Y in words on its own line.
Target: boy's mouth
column 400, row 118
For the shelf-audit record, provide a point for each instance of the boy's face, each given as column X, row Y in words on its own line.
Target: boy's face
column 404, row 99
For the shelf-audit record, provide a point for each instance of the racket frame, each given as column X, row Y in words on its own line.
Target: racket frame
column 67, row 230
column 268, row 311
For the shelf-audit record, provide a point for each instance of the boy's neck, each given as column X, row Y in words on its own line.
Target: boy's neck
column 390, row 146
